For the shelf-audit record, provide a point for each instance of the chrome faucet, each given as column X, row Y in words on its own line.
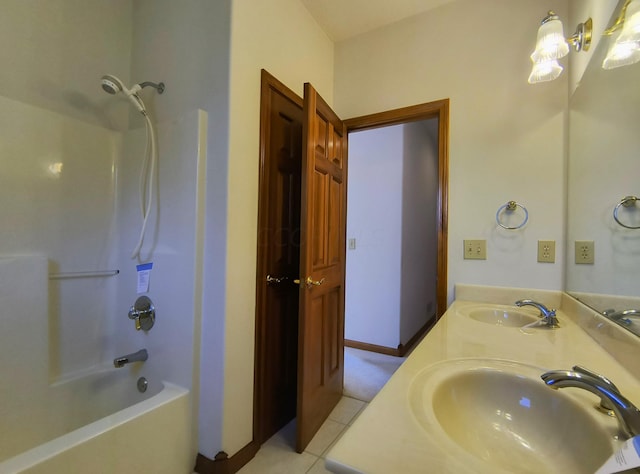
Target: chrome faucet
column 139, row 356
column 621, row 315
column 548, row 315
column 628, row 415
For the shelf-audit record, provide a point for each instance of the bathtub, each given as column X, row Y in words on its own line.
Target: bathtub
column 151, row 435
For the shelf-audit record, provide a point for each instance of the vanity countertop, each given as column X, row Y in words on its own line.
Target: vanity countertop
column 386, row 437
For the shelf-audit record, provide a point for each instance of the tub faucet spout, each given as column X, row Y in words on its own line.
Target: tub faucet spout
column 139, row 356
column 627, row 414
column 548, row 315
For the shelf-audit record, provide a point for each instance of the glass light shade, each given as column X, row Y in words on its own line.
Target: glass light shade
column 631, row 28
column 621, row 54
column 626, row 48
column 551, row 43
column 545, row 71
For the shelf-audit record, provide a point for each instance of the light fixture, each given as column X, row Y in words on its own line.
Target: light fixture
column 551, row 45
column 625, row 50
column 545, row 71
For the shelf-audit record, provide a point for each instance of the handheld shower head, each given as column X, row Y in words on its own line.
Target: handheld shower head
column 111, row 84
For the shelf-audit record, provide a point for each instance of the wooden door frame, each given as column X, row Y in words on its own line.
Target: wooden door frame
column 440, row 110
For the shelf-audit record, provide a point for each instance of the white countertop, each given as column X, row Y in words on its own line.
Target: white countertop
column 387, row 438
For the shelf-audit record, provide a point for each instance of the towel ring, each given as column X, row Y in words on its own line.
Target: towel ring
column 628, row 201
column 510, row 207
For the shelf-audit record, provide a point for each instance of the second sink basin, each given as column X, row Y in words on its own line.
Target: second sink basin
column 502, row 414
column 500, row 315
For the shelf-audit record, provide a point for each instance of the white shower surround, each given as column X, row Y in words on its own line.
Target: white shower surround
column 72, row 204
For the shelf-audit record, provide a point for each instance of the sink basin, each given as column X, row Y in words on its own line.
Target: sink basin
column 502, row 415
column 500, row 315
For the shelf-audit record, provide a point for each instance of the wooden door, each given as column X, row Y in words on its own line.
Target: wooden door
column 322, row 264
column 278, row 258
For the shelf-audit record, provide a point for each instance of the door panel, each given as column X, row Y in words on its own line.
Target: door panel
column 319, row 217
column 335, row 205
column 322, row 258
column 278, row 258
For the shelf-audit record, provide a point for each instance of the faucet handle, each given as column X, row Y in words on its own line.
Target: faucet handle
column 143, row 313
column 135, row 315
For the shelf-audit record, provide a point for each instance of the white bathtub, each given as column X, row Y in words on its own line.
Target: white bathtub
column 150, row 436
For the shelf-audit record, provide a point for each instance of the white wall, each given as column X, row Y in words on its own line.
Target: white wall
column 374, row 219
column 187, row 46
column 280, row 36
column 57, row 51
column 419, row 231
column 507, row 138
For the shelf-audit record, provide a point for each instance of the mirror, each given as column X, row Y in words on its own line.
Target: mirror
column 603, row 169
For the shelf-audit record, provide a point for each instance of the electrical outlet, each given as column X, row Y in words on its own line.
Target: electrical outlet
column 547, row 251
column 475, row 249
column 585, row 251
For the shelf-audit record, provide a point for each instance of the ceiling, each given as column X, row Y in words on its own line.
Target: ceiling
column 342, row 19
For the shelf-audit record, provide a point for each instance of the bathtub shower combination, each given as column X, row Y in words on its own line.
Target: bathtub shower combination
column 83, row 392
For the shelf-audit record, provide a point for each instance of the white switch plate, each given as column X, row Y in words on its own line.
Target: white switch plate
column 352, row 244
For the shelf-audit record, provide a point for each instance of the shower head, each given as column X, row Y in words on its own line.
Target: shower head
column 111, row 84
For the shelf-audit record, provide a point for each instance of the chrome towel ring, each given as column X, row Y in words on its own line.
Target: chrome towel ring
column 510, row 207
column 628, row 201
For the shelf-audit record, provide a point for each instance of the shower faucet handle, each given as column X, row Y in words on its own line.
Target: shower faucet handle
column 143, row 313
column 133, row 314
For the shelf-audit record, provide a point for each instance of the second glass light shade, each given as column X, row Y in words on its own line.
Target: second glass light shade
column 625, row 49
column 545, row 71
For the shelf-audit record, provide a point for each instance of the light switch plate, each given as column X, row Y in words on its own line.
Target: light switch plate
column 546, row 251
column 475, row 249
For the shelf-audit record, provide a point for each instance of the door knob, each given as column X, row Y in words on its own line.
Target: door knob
column 309, row 282
column 273, row 280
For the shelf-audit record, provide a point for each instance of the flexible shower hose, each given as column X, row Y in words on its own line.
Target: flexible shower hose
column 146, row 181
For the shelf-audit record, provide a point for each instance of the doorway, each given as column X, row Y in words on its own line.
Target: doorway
column 392, row 237
column 277, row 370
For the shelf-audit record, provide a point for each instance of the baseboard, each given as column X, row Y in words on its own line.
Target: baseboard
column 223, row 464
column 401, row 350
column 417, row 337
column 365, row 346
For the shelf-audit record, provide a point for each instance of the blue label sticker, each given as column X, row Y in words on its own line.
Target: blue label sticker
column 144, row 275
column 144, row 266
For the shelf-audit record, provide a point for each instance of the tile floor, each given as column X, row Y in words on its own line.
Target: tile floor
column 278, row 456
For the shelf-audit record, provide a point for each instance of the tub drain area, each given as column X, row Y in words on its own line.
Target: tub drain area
column 143, row 384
